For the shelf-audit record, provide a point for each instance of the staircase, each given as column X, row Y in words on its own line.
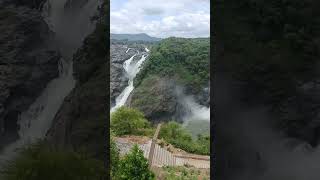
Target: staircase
column 162, row 157
column 158, row 156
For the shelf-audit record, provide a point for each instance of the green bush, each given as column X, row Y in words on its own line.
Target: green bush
column 182, row 173
column 173, row 133
column 39, row 162
column 128, row 121
column 134, row 166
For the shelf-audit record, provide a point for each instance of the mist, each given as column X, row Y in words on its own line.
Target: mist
column 71, row 22
column 191, row 109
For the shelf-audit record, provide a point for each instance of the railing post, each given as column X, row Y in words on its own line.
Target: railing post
column 153, row 142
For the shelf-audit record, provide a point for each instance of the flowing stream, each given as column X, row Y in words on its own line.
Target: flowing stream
column 70, row 26
column 132, row 69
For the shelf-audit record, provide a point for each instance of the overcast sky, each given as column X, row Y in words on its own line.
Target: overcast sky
column 161, row 18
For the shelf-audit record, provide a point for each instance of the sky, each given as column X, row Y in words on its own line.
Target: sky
column 161, row 18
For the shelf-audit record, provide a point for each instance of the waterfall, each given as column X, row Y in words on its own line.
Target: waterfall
column 128, row 50
column 70, row 29
column 131, row 69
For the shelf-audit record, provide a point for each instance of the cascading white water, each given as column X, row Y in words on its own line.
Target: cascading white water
column 131, row 69
column 35, row 122
column 70, row 29
column 128, row 50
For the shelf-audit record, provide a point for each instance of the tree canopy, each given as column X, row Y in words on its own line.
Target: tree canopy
column 187, row 59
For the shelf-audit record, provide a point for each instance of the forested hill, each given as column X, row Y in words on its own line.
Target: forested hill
column 185, row 59
column 172, row 63
column 134, row 37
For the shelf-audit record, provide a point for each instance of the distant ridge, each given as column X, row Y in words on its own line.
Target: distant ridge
column 134, row 37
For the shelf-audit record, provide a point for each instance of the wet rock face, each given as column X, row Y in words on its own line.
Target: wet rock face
column 27, row 63
column 118, row 53
column 156, row 98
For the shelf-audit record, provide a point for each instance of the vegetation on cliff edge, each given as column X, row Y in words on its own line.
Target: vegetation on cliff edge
column 186, row 59
column 127, row 121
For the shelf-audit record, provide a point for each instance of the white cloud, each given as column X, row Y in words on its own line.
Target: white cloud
column 162, row 18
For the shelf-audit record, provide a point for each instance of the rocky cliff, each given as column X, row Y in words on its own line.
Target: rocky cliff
column 27, row 61
column 156, row 98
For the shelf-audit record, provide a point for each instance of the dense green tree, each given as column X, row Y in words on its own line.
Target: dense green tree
column 128, row 121
column 134, row 166
column 187, row 59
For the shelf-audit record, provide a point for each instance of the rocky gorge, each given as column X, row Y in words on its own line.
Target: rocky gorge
column 28, row 61
column 80, row 122
column 159, row 97
column 47, row 66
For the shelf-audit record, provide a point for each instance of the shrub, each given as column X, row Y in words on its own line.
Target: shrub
column 173, row 130
column 182, row 173
column 173, row 133
column 128, row 121
column 134, row 166
column 39, row 162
